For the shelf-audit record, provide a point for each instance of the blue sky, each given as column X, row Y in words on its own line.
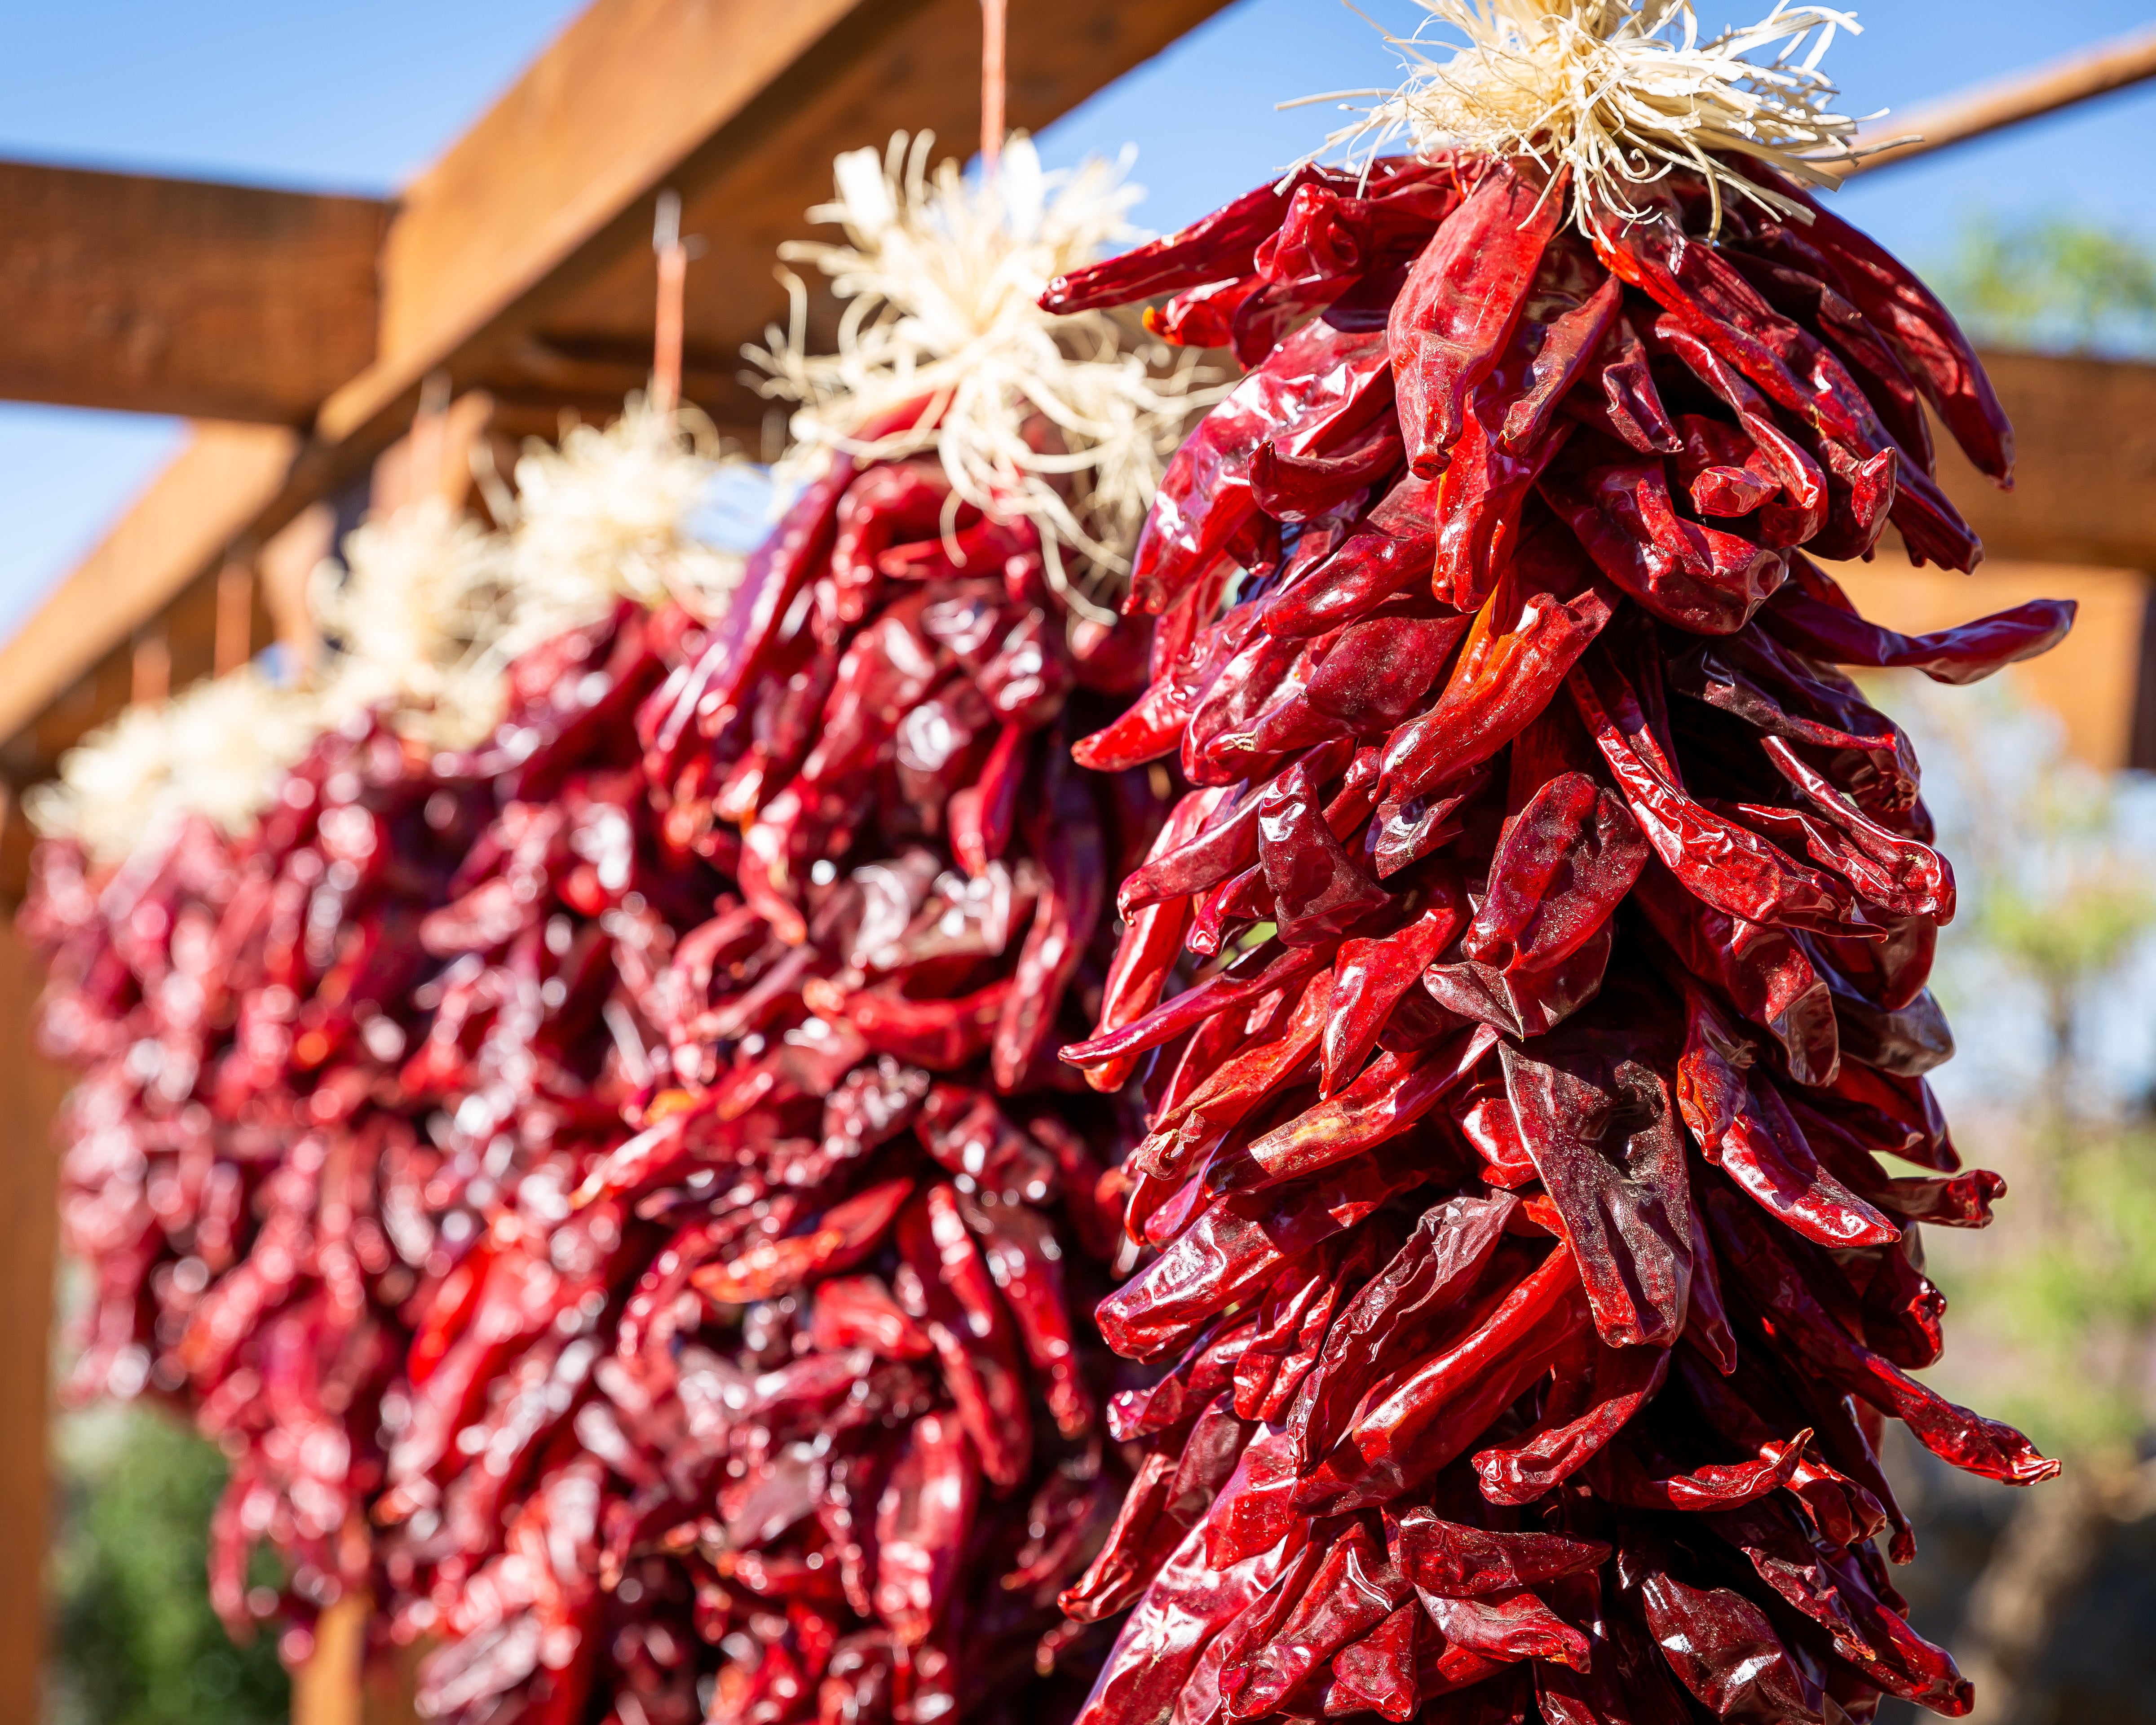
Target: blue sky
column 358, row 97
column 334, row 97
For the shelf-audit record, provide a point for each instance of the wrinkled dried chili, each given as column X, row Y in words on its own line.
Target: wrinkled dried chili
column 1643, row 1289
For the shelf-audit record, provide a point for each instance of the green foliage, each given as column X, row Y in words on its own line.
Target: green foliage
column 2053, row 1306
column 2074, row 1300
column 2066, row 945
column 135, row 1640
column 2053, row 283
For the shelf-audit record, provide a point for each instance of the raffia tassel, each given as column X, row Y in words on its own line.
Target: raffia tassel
column 417, row 618
column 218, row 750
column 941, row 278
column 1620, row 92
column 605, row 517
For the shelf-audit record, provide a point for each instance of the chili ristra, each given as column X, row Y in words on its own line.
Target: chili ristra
column 614, row 1234
column 812, row 1361
column 1555, row 915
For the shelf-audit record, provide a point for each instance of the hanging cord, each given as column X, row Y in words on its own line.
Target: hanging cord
column 991, row 85
column 150, row 671
column 994, row 16
column 427, row 442
column 672, row 279
column 232, row 643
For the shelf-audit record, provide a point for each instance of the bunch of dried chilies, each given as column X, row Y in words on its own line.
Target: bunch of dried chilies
column 276, row 1171
column 244, row 1179
column 599, row 1160
column 649, row 1239
column 1528, row 1286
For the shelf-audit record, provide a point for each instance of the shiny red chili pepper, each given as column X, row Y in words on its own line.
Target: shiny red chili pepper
column 1672, row 925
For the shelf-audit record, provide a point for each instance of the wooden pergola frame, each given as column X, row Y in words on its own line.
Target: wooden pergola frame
column 298, row 332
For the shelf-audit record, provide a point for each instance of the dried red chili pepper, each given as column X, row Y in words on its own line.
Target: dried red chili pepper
column 590, row 1190
column 326, row 1231
column 1663, row 1032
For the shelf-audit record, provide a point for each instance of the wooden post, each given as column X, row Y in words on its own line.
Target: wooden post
column 326, row 1690
column 339, row 1686
column 30, row 1092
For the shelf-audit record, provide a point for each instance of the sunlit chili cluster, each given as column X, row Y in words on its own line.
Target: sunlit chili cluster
column 776, row 1398
column 853, row 1393
column 661, row 1295
column 249, row 1179
column 1529, row 1291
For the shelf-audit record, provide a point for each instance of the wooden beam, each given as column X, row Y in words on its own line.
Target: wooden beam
column 179, row 529
column 1974, row 113
column 2085, row 473
column 747, row 187
column 539, row 217
column 180, row 296
column 533, row 233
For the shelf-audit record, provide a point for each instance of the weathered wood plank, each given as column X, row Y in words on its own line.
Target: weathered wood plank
column 182, row 296
column 539, row 219
column 2085, row 472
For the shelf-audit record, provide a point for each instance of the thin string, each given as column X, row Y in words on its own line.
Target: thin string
column 672, row 279
column 150, row 671
column 991, row 84
column 233, row 643
column 428, row 442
